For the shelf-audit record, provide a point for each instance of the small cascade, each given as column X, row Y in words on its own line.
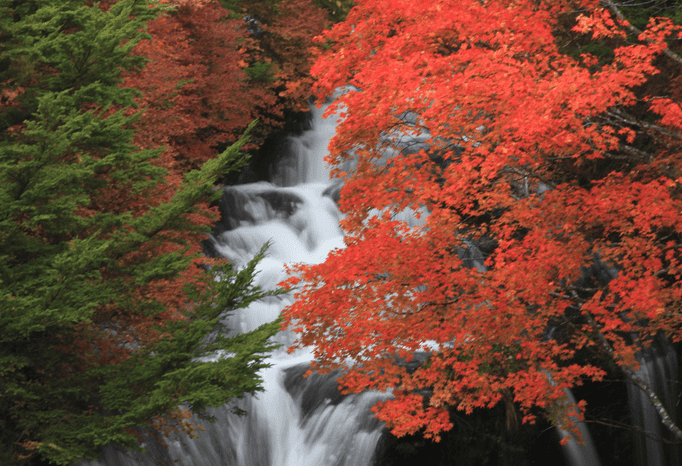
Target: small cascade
column 579, row 454
column 291, row 423
column 305, row 163
column 583, row 453
column 659, row 368
column 287, row 425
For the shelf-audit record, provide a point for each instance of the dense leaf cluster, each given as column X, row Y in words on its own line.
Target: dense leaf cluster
column 548, row 184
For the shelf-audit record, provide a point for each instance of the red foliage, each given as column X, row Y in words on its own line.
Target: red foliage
column 535, row 154
column 195, row 93
column 197, row 98
column 290, row 39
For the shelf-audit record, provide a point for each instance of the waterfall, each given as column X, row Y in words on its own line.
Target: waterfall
column 305, row 162
column 579, row 454
column 295, row 421
column 299, row 421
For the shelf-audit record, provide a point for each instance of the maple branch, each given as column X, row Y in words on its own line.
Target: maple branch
column 662, row 271
column 614, row 9
column 623, row 117
column 632, row 375
column 631, row 152
column 525, row 175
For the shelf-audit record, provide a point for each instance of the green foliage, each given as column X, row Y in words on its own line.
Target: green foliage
column 260, row 72
column 252, row 7
column 639, row 13
column 87, row 61
column 88, row 352
column 234, row 373
column 337, row 9
column 601, row 51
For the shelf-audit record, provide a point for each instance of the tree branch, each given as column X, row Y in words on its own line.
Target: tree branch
column 620, row 115
column 636, row 430
column 614, row 9
column 636, row 379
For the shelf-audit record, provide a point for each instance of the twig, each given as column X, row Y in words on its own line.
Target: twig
column 614, row 9
column 637, row 430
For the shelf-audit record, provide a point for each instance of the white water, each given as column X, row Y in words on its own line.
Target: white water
column 659, row 369
column 305, row 422
column 306, row 164
column 579, row 454
column 294, row 421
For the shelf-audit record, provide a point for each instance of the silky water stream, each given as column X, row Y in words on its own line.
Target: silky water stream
column 295, row 421
column 300, row 421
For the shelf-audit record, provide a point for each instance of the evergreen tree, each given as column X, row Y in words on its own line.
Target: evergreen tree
column 106, row 323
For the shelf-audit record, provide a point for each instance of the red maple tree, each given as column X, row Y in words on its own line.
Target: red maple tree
column 558, row 177
column 197, row 97
column 195, row 94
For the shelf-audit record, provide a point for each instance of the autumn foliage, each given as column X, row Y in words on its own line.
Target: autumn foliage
column 549, row 185
column 211, row 73
column 108, row 316
column 199, row 92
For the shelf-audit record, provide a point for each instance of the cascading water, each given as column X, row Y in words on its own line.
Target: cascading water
column 306, row 162
column 579, row 454
column 295, row 421
column 659, row 369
